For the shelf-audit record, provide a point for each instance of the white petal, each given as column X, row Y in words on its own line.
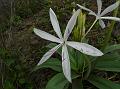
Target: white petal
column 99, row 4
column 84, row 8
column 102, row 24
column 92, row 13
column 71, row 24
column 66, row 63
column 111, row 18
column 48, row 54
column 85, row 48
column 55, row 23
column 110, row 8
column 47, row 36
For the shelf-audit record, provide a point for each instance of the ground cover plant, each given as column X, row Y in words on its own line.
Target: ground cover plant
column 82, row 66
column 82, row 52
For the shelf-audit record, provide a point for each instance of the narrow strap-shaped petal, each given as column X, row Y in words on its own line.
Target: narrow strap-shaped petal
column 66, row 63
column 85, row 48
column 99, row 4
column 111, row 18
column 47, row 36
column 48, row 54
column 55, row 23
column 84, row 8
column 92, row 13
column 102, row 24
column 110, row 8
column 71, row 24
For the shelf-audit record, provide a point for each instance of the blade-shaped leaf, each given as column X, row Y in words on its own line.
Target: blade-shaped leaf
column 59, row 81
column 112, row 48
column 48, row 54
column 102, row 24
column 47, row 36
column 73, row 58
column 55, row 23
column 111, row 18
column 110, row 8
column 77, row 59
column 108, row 62
column 52, row 63
column 102, row 83
column 99, row 4
column 71, row 24
column 85, row 48
column 66, row 63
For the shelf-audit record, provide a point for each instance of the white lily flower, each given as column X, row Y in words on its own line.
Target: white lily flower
column 82, row 47
column 100, row 15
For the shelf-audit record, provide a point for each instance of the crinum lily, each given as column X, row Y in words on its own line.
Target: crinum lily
column 82, row 47
column 100, row 15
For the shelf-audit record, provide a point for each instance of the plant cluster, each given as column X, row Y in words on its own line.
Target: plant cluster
column 80, row 61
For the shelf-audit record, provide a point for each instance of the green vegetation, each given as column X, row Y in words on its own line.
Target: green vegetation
column 21, row 49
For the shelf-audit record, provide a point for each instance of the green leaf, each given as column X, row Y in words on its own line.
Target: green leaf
column 108, row 62
column 22, row 81
column 73, row 58
column 102, row 83
column 52, row 63
column 112, row 48
column 81, row 61
column 77, row 59
column 8, row 85
column 9, row 61
column 59, row 81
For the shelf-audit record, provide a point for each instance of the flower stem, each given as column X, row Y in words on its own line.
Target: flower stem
column 90, row 28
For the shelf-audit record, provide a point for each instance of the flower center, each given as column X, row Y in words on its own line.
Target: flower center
column 64, row 42
column 98, row 16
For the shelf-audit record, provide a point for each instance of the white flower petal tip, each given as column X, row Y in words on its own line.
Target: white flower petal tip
column 47, row 55
column 51, row 9
column 35, row 30
column 55, row 23
column 85, row 48
column 46, row 36
column 99, row 4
